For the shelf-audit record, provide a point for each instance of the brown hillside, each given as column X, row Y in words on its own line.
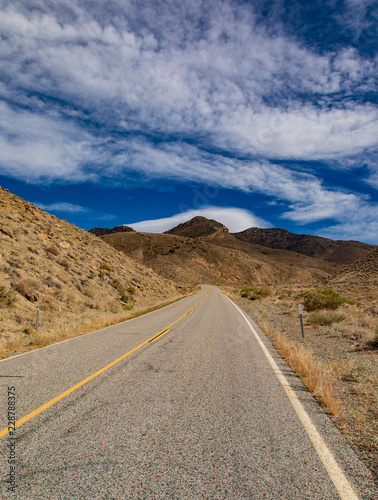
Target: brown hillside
column 72, row 275
column 197, row 227
column 363, row 273
column 340, row 252
column 213, row 259
column 210, row 231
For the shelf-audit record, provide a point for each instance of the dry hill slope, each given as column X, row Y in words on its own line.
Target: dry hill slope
column 340, row 252
column 197, row 227
column 72, row 275
column 204, row 251
column 363, row 273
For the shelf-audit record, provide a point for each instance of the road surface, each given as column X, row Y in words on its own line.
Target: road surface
column 183, row 403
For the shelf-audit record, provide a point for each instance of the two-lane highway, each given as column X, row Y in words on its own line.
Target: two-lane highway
column 179, row 403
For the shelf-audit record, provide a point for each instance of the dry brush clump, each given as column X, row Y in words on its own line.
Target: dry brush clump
column 7, row 297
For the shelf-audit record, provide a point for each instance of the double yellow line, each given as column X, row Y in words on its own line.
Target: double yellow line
column 44, row 407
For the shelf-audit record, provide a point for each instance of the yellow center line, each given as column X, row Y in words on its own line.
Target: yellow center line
column 44, row 407
column 160, row 335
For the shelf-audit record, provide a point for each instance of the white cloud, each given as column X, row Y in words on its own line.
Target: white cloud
column 62, row 207
column 35, row 147
column 360, row 225
column 235, row 219
column 216, row 86
column 87, row 84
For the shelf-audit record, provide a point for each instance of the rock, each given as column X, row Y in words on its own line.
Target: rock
column 65, row 245
column 31, row 297
column 7, row 230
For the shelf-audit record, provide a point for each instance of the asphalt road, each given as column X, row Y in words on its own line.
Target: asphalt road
column 198, row 412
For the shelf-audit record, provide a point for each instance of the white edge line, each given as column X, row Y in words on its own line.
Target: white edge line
column 335, row 472
column 91, row 333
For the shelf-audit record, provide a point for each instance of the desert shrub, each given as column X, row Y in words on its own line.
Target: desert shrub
column 26, row 289
column 64, row 263
column 123, row 295
column 51, row 283
column 53, row 250
column 118, row 285
column 131, row 289
column 21, row 287
column 324, row 318
column 127, row 307
column 7, row 297
column 29, row 330
column 88, row 291
column 106, row 267
column 255, row 293
column 323, row 298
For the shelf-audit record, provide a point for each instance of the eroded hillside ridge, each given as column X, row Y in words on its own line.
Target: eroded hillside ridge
column 341, row 252
column 71, row 274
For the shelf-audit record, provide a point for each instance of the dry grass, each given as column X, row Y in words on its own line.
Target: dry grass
column 324, row 318
column 316, row 377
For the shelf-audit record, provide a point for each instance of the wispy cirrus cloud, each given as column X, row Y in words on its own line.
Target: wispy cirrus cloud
column 199, row 92
column 61, row 207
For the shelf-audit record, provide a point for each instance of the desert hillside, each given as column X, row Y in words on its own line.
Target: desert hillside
column 340, row 252
column 197, row 227
column 363, row 273
column 73, row 276
column 203, row 251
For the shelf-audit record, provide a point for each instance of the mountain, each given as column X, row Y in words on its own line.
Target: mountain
column 203, row 251
column 73, row 276
column 362, row 273
column 340, row 252
column 100, row 231
column 197, row 227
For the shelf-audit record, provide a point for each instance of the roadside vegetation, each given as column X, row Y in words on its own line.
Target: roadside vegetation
column 255, row 293
column 323, row 298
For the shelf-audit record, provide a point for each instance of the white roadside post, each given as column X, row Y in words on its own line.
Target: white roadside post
column 301, row 318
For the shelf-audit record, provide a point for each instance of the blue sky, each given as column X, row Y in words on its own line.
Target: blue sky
column 255, row 113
